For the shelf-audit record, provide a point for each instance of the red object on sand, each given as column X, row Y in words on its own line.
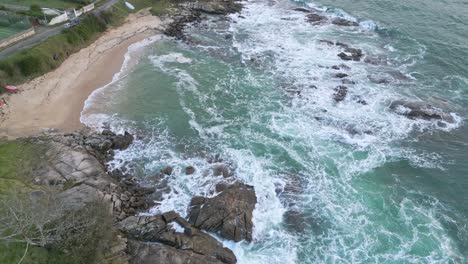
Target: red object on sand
column 2, row 104
column 11, row 89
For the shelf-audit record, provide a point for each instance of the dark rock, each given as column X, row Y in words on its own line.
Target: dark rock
column 328, row 42
column 344, row 22
column 217, row 7
column 335, row 67
column 189, row 170
column 107, row 132
column 340, row 93
column 221, row 187
column 169, row 216
column 420, row 110
column 223, row 170
column 341, row 75
column 341, row 44
column 168, row 170
column 295, row 221
column 351, row 54
column 302, row 9
column 315, row 18
column 122, row 142
column 229, row 213
column 143, row 253
column 192, row 246
column 345, row 56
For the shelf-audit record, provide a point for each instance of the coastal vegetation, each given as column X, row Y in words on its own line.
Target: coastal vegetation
column 59, row 4
column 49, row 54
column 35, row 225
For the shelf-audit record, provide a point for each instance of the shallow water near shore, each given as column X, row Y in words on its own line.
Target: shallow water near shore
column 336, row 182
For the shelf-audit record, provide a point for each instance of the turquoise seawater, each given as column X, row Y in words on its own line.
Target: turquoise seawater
column 346, row 182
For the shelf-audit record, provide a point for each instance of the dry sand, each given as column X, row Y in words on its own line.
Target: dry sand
column 55, row 100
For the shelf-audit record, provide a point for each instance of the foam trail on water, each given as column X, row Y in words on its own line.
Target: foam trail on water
column 91, row 120
column 267, row 107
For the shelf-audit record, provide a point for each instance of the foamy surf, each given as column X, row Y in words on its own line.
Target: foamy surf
column 263, row 100
column 131, row 58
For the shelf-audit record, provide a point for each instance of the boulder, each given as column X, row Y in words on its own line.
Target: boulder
column 182, row 246
column 144, row 253
column 344, row 22
column 340, row 93
column 189, row 170
column 420, row 110
column 217, row 7
column 351, row 54
column 122, row 142
column 229, row 213
column 341, row 75
column 315, row 18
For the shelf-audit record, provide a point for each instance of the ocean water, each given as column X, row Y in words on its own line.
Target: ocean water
column 346, row 182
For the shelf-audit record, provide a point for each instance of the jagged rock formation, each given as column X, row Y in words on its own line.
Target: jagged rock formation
column 229, row 213
column 189, row 245
column 420, row 110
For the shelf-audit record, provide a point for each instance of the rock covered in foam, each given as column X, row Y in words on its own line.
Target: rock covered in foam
column 420, row 110
column 340, row 93
column 344, row 22
column 229, row 213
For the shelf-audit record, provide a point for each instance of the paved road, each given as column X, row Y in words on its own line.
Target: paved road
column 31, row 41
column 44, row 35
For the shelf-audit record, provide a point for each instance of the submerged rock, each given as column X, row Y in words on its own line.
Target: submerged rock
column 420, row 110
column 344, row 22
column 340, row 93
column 351, row 54
column 229, row 213
column 315, row 18
column 341, row 75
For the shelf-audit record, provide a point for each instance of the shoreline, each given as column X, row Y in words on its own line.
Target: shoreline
column 55, row 100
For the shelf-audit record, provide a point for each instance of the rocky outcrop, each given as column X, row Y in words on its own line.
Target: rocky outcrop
column 146, row 253
column 340, row 93
column 344, row 23
column 192, row 13
column 351, row 54
column 229, row 213
column 217, row 7
column 420, row 110
column 316, row 19
column 187, row 246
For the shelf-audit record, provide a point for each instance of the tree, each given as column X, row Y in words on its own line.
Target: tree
column 39, row 219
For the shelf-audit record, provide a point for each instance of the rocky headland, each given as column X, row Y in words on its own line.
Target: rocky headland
column 74, row 167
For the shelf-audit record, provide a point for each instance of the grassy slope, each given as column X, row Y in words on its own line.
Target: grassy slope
column 49, row 54
column 59, row 4
column 15, row 158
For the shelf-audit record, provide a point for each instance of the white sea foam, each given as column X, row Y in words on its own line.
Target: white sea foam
column 334, row 145
column 97, row 96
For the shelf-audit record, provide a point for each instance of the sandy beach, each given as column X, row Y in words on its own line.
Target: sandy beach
column 55, row 100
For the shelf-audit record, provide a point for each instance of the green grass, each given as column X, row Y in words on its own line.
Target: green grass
column 49, row 54
column 6, row 32
column 59, row 4
column 16, row 160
